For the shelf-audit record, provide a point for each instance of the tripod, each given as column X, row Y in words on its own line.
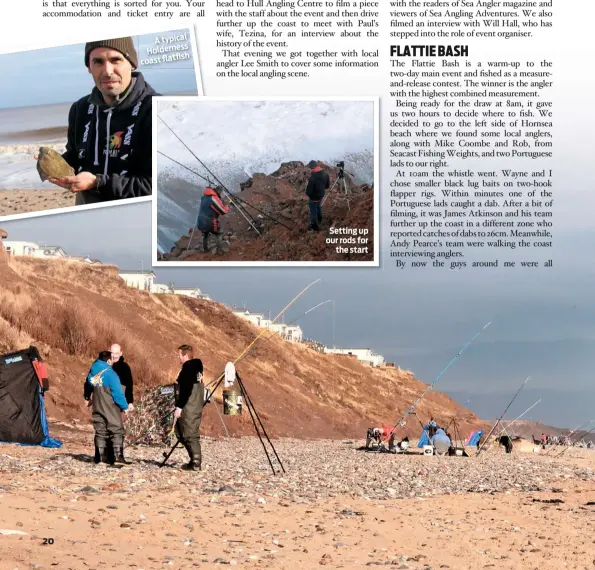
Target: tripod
column 256, row 421
column 342, row 182
column 457, row 436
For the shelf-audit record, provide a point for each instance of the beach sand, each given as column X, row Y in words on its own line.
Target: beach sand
column 24, row 201
column 332, row 509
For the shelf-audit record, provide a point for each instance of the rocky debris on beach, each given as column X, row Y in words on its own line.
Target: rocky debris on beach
column 236, row 470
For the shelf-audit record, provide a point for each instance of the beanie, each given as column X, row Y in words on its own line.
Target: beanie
column 124, row 45
column 312, row 164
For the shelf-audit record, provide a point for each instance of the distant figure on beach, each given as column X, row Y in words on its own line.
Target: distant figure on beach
column 441, row 442
column 506, row 442
column 110, row 130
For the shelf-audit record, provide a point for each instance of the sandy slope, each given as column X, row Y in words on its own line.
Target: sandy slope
column 302, row 392
column 23, row 201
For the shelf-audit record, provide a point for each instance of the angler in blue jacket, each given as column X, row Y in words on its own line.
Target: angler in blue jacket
column 108, row 404
column 441, row 442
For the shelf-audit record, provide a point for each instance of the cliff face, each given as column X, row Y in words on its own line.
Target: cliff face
column 71, row 311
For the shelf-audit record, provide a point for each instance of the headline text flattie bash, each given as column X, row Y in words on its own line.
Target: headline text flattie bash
column 429, row 51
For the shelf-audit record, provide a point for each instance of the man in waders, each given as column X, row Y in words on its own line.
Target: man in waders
column 108, row 404
column 211, row 207
column 190, row 399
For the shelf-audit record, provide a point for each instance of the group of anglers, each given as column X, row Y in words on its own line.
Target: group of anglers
column 213, row 206
column 108, row 389
column 438, row 437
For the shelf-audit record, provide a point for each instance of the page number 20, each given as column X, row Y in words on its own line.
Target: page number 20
column 48, row 541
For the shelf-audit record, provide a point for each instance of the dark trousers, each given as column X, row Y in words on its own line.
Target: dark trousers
column 205, row 240
column 315, row 213
column 188, row 425
column 108, row 431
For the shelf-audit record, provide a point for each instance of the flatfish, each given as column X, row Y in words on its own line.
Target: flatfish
column 50, row 164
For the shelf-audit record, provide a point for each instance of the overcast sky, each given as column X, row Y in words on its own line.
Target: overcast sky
column 543, row 321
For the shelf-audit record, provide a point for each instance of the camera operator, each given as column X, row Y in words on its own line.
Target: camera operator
column 318, row 184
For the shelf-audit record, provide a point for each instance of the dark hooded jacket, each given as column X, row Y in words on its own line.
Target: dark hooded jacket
column 114, row 143
column 190, row 375
column 211, row 207
column 122, row 369
column 318, row 183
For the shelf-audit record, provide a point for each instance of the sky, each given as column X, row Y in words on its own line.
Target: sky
column 542, row 320
column 62, row 77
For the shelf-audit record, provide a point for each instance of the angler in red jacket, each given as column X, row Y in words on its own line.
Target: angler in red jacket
column 380, row 434
column 211, row 207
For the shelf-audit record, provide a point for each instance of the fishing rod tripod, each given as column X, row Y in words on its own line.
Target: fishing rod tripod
column 256, row 421
column 342, row 182
column 454, row 422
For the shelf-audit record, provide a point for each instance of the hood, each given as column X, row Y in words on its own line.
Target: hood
column 210, row 192
column 193, row 365
column 98, row 366
column 317, row 169
column 137, row 90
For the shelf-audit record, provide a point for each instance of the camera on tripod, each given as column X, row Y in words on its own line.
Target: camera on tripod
column 341, row 167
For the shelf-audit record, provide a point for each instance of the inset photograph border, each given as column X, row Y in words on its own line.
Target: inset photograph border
column 231, row 190
column 42, row 118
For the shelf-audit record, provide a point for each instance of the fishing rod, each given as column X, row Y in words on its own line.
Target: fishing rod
column 235, row 197
column 514, row 421
column 209, row 182
column 249, row 347
column 204, row 166
column 414, row 405
column 274, row 333
column 572, row 444
column 503, row 414
column 567, row 437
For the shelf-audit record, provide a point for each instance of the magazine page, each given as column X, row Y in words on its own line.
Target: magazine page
column 296, row 283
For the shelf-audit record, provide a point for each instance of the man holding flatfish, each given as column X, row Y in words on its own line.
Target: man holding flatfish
column 108, row 151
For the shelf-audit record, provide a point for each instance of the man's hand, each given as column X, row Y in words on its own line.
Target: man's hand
column 131, row 407
column 89, row 403
column 82, row 181
column 178, row 413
